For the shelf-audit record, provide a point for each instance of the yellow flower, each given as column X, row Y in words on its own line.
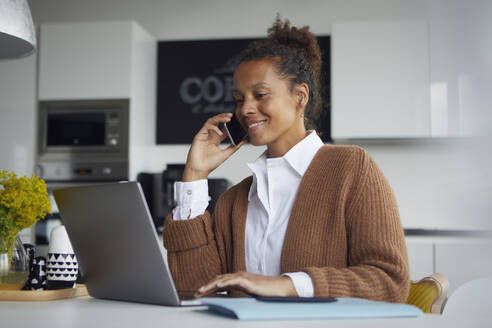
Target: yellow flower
column 23, row 201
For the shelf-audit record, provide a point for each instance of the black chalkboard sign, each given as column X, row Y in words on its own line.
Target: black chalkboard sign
column 194, row 82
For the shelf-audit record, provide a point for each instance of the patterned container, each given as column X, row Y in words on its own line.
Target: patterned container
column 62, row 264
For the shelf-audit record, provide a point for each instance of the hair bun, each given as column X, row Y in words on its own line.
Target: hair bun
column 301, row 39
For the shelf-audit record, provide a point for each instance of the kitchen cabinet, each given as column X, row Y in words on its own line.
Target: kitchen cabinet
column 380, row 80
column 85, row 60
column 17, row 114
column 459, row 258
column 462, row 260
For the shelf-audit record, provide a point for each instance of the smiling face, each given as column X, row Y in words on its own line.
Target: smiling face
column 267, row 107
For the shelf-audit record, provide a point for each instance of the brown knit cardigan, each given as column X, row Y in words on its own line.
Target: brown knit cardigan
column 344, row 231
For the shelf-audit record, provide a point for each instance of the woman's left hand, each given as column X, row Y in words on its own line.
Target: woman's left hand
column 250, row 283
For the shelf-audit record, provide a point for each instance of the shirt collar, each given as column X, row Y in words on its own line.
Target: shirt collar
column 299, row 157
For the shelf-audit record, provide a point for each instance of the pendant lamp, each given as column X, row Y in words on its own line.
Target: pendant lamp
column 17, row 34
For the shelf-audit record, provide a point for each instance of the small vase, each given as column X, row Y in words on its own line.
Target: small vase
column 62, row 266
column 14, row 269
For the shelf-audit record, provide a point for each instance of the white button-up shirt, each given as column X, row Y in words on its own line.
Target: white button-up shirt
column 270, row 200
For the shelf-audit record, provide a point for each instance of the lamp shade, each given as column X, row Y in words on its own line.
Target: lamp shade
column 17, row 35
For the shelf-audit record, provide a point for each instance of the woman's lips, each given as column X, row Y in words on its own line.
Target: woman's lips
column 255, row 126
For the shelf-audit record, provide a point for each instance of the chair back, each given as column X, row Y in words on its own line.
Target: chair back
column 430, row 293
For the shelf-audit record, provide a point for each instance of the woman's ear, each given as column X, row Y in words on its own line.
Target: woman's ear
column 302, row 92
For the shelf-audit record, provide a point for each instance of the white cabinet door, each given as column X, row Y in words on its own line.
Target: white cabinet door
column 380, row 80
column 462, row 260
column 420, row 257
column 85, row 61
column 18, row 114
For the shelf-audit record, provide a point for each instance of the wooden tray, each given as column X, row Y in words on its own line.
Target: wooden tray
column 43, row 295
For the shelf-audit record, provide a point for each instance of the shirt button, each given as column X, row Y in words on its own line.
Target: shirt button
column 189, row 192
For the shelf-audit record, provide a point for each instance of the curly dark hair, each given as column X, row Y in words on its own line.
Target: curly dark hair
column 297, row 57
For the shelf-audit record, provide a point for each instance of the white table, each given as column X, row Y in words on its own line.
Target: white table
column 87, row 312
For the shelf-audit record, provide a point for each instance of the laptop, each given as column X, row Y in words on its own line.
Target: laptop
column 113, row 236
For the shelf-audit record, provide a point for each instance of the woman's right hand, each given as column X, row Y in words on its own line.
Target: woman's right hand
column 205, row 154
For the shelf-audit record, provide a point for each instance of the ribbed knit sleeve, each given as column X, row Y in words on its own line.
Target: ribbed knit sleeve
column 377, row 256
column 192, row 253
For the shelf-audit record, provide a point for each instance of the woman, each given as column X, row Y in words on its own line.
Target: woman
column 312, row 220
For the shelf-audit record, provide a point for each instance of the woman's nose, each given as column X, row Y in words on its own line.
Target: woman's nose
column 248, row 107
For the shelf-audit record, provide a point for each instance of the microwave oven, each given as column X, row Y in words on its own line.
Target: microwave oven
column 83, row 139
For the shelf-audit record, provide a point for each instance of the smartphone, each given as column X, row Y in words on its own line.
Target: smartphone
column 296, row 299
column 235, row 131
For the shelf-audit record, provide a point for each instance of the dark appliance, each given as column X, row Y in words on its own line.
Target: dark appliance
column 215, row 188
column 151, row 184
column 173, row 173
column 83, row 140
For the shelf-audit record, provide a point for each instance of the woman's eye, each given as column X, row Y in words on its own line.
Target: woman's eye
column 238, row 101
column 260, row 95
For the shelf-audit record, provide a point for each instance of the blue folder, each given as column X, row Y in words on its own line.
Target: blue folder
column 343, row 308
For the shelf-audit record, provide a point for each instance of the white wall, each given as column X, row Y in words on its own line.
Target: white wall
column 142, row 100
column 439, row 184
column 459, row 60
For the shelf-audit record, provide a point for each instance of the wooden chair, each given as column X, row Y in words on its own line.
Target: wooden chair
column 430, row 293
